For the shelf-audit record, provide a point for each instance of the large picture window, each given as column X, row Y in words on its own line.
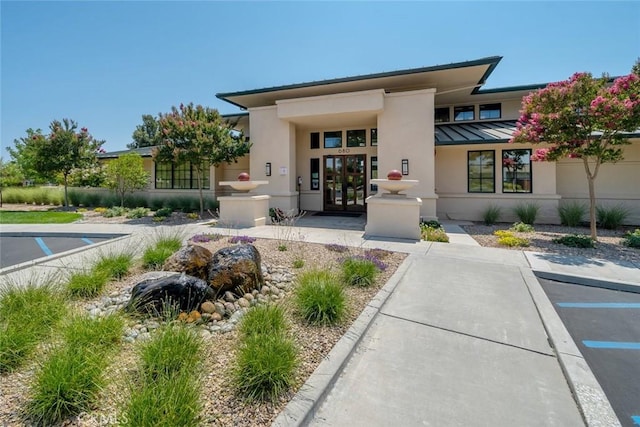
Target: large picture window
column 481, row 171
column 516, row 171
column 179, row 176
column 357, row 138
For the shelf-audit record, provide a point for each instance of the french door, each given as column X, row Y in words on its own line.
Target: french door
column 345, row 187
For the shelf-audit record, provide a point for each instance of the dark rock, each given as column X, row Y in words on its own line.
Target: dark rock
column 236, row 269
column 179, row 290
column 191, row 259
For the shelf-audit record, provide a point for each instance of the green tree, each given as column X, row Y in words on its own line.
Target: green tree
column 61, row 151
column 584, row 118
column 23, row 153
column 10, row 174
column 147, row 134
column 200, row 136
column 126, row 174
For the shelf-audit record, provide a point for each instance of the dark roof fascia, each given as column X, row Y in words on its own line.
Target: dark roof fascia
column 472, row 142
column 229, row 116
column 144, row 152
column 492, row 61
column 536, row 86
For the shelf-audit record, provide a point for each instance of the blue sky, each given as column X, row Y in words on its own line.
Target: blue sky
column 104, row 64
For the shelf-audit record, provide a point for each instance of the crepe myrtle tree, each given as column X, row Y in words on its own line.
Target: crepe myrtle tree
column 582, row 118
column 200, row 136
column 59, row 152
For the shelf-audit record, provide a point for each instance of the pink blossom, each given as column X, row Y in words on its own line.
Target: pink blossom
column 540, row 154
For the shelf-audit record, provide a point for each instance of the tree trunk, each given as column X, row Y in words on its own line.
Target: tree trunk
column 66, row 196
column 592, row 201
column 199, row 177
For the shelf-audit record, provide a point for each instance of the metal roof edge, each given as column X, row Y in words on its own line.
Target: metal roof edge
column 492, row 61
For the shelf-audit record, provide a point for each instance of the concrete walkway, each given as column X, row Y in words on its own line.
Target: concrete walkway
column 460, row 335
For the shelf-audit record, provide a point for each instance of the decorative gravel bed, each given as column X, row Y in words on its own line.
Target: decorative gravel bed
column 222, row 407
column 609, row 244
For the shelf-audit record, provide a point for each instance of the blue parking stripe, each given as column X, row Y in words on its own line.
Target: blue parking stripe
column 612, row 344
column 598, row 305
column 636, row 419
column 89, row 242
column 43, row 246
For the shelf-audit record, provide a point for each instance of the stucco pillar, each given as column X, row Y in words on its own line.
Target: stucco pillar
column 406, row 131
column 274, row 141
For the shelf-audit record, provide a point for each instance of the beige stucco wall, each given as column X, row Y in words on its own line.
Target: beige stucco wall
column 616, row 184
column 406, row 131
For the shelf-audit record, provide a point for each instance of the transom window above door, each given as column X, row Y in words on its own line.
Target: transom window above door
column 357, row 138
column 333, row 139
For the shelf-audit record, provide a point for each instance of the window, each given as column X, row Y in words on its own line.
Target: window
column 374, row 137
column 481, row 171
column 357, row 138
column 179, row 176
column 333, row 139
column 463, row 113
column 315, row 174
column 490, row 111
column 516, row 171
column 442, row 115
column 374, row 172
column 315, row 140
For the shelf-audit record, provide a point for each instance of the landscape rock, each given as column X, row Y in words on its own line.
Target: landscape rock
column 208, row 307
column 237, row 269
column 192, row 260
column 180, row 290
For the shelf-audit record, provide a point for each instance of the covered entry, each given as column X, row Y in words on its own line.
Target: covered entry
column 345, row 182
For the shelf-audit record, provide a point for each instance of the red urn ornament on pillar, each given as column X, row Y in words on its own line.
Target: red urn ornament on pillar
column 244, row 177
column 394, row 175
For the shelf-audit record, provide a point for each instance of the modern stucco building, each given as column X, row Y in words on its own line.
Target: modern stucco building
column 318, row 144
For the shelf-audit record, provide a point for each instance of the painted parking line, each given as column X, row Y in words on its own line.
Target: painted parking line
column 598, row 305
column 612, row 345
column 43, row 246
column 89, row 242
column 636, row 419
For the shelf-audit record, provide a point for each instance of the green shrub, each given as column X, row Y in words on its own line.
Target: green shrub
column 116, row 266
column 576, row 241
column 263, row 320
column 156, row 203
column 359, row 272
column 163, row 212
column 28, row 314
column 114, row 211
column 527, row 212
column 632, row 239
column 132, row 201
column 431, row 234
column 320, row 298
column 611, row 217
column 572, row 214
column 87, row 284
column 432, row 223
column 521, row 227
column 137, row 213
column 502, row 233
column 74, row 196
column 265, row 366
column 298, row 263
column 491, row 214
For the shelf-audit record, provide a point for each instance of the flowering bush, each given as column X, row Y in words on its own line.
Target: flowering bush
column 244, row 240
column 334, row 247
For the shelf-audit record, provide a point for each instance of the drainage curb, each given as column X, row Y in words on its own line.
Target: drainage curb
column 590, row 398
column 302, row 408
column 616, row 285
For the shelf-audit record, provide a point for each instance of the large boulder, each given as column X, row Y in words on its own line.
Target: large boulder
column 178, row 290
column 236, row 269
column 191, row 259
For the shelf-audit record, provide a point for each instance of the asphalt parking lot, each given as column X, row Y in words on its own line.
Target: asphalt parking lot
column 18, row 248
column 605, row 325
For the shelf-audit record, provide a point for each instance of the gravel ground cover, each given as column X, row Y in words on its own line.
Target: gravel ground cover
column 610, row 242
column 222, row 407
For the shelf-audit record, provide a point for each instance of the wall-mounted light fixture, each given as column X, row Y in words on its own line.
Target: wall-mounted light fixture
column 267, row 169
column 405, row 166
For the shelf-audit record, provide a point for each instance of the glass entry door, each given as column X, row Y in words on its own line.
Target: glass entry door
column 345, row 182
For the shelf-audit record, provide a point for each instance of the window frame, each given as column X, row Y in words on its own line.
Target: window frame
column 187, row 175
column 314, row 140
column 352, row 133
column 374, row 141
column 435, row 114
column 530, row 173
column 493, row 155
column 335, row 132
column 464, row 109
column 373, row 171
column 494, row 105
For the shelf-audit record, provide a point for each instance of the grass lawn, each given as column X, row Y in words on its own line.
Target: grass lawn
column 16, row 217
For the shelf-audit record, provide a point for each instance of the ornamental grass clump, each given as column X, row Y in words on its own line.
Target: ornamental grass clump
column 70, row 379
column 167, row 389
column 163, row 247
column 527, row 212
column 87, row 284
column 611, row 217
column 115, row 266
column 320, row 298
column 572, row 214
column 265, row 319
column 358, row 271
column 29, row 313
column 491, row 214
